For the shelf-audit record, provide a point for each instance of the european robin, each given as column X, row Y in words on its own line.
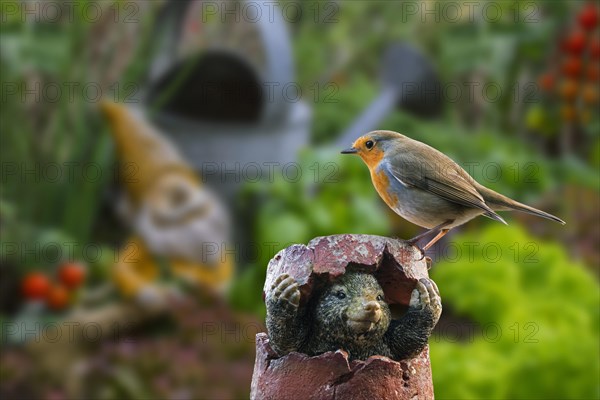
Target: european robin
column 427, row 188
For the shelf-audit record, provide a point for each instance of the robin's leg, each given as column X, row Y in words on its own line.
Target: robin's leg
column 439, row 229
column 436, row 238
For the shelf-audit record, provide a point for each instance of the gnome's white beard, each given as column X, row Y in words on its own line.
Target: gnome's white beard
column 181, row 220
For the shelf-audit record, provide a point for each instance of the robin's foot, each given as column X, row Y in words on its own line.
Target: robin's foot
column 422, row 251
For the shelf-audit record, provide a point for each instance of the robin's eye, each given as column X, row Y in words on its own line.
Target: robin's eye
column 380, row 298
column 369, row 144
column 340, row 294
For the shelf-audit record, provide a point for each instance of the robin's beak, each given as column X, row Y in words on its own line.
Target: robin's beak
column 351, row 150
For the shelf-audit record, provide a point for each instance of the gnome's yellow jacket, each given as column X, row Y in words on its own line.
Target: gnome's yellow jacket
column 136, row 268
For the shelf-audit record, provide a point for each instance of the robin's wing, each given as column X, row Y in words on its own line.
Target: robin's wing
column 444, row 179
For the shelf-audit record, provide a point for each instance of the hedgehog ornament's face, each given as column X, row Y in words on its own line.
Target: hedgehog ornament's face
column 352, row 308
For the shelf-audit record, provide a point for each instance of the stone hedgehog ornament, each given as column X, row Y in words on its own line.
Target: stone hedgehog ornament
column 346, row 308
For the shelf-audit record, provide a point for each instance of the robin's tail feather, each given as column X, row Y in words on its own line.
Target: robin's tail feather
column 499, row 202
column 494, row 216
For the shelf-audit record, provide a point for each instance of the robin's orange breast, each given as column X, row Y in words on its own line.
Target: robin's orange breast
column 382, row 184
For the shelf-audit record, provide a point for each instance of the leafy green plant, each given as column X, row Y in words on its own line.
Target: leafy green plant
column 537, row 310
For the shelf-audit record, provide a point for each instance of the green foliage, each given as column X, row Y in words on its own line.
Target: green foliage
column 349, row 100
column 54, row 144
column 538, row 311
column 245, row 292
column 540, row 119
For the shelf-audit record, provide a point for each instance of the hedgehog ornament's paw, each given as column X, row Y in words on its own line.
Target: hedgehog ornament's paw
column 426, row 298
column 285, row 292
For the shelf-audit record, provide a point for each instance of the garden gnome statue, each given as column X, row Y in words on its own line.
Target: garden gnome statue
column 180, row 228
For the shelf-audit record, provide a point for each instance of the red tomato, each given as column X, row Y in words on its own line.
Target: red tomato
column 588, row 17
column 575, row 43
column 547, row 81
column 71, row 274
column 57, row 298
column 35, row 285
column 572, row 67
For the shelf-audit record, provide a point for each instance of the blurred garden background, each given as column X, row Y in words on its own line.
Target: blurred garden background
column 156, row 155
